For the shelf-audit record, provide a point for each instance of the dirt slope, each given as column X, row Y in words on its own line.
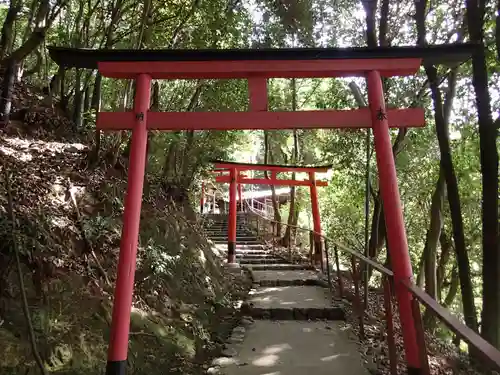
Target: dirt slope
column 183, row 302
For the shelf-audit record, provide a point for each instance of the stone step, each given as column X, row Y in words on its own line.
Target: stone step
column 242, row 246
column 252, row 246
column 252, row 252
column 224, row 230
column 224, row 225
column 239, row 242
column 282, row 267
column 293, row 303
column 285, row 277
column 223, row 236
column 238, row 237
column 225, row 233
column 258, row 256
column 251, row 242
column 254, row 262
column 219, row 226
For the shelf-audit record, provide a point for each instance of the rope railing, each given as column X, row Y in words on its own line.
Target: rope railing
column 266, row 229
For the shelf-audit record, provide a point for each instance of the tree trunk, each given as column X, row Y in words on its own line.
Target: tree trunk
column 490, row 322
column 7, row 91
column 453, row 290
column 446, row 247
column 78, row 101
column 95, row 106
column 287, row 237
column 62, row 89
column 87, row 96
column 267, row 156
column 155, row 106
column 441, row 115
column 370, row 7
column 42, row 23
column 377, row 232
column 453, row 200
column 8, row 23
column 431, row 242
column 421, row 269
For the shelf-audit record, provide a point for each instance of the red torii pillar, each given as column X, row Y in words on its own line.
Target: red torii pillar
column 231, row 229
column 393, row 214
column 318, row 251
column 120, row 323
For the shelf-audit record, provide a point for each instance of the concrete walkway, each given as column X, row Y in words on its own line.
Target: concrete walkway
column 292, row 325
column 295, row 348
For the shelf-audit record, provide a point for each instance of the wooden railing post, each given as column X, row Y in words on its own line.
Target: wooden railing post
column 390, row 325
column 311, row 247
column 419, row 329
column 357, row 300
column 339, row 274
column 328, row 267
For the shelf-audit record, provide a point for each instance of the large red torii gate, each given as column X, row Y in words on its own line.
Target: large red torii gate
column 236, row 179
column 257, row 66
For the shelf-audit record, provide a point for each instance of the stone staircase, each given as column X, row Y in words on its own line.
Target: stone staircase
column 287, row 302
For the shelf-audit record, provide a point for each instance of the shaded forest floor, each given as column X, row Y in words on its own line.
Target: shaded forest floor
column 69, row 225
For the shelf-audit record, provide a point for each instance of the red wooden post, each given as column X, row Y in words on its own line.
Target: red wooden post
column 318, row 252
column 202, row 198
column 396, row 235
column 239, row 198
column 118, row 341
column 231, row 229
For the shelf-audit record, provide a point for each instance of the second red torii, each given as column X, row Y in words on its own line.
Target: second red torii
column 236, row 179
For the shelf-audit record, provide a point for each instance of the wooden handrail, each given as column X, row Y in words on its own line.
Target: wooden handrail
column 488, row 351
column 378, row 266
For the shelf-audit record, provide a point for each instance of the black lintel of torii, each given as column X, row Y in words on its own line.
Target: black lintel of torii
column 450, row 54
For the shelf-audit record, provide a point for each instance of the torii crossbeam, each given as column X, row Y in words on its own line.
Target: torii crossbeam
column 257, row 66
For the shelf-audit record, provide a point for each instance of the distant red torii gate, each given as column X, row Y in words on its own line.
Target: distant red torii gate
column 235, row 179
column 257, row 66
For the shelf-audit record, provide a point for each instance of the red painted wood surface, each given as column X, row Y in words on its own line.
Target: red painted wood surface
column 393, row 213
column 270, row 181
column 269, row 167
column 231, row 229
column 316, row 216
column 259, row 68
column 327, row 119
column 120, row 324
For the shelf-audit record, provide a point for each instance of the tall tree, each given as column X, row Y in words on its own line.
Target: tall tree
column 440, row 118
column 488, row 133
column 292, row 214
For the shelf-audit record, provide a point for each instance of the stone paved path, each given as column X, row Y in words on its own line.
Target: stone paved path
column 292, row 325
